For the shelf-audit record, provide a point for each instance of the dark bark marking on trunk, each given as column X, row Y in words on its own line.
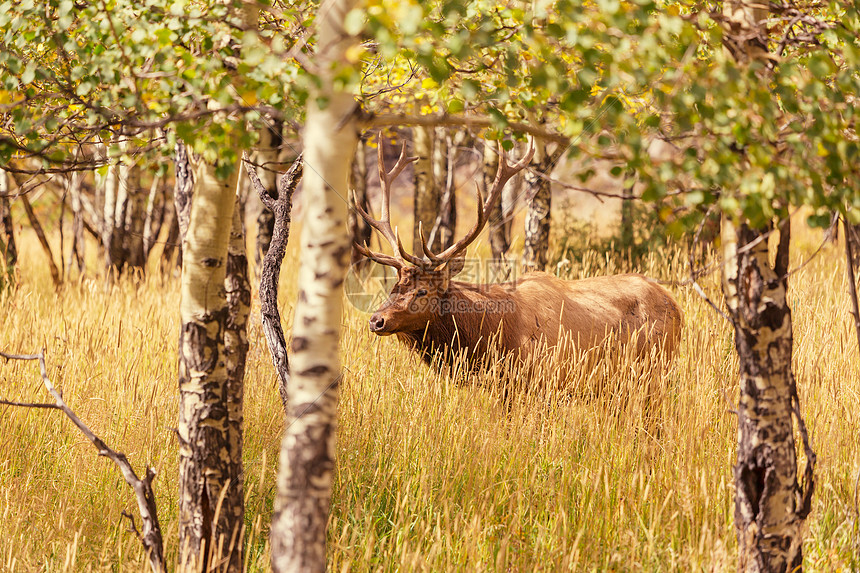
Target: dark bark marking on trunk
column 184, row 188
column 318, row 370
column 265, row 231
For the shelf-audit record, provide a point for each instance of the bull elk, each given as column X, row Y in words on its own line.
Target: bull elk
column 434, row 314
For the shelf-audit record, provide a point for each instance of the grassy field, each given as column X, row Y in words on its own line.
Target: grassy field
column 432, row 475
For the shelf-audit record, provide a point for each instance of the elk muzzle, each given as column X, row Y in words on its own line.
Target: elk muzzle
column 378, row 324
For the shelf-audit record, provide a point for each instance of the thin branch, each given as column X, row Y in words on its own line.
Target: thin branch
column 693, row 273
column 43, row 240
column 37, row 405
column 151, row 537
column 707, row 299
column 374, row 121
column 852, row 285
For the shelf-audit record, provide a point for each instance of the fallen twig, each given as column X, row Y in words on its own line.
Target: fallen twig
column 150, row 537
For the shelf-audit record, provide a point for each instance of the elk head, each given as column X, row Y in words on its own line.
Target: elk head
column 422, row 285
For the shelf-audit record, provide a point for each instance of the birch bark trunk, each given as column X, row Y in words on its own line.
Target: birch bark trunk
column 539, row 213
column 270, row 272
column 303, row 501
column 183, row 190
column 154, row 217
column 212, row 344
column 78, row 251
column 133, row 218
column 770, row 506
column 266, row 156
column 627, row 213
column 111, row 184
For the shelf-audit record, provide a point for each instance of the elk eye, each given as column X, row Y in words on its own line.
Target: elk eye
column 421, row 292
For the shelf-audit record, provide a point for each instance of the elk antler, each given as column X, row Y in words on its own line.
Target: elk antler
column 504, row 173
column 383, row 225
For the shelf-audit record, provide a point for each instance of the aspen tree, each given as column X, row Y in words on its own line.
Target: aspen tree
column 303, row 500
column 770, row 506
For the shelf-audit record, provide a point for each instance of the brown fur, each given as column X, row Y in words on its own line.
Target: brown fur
column 518, row 317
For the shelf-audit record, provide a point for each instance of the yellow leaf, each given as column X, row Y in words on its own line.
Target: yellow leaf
column 429, row 83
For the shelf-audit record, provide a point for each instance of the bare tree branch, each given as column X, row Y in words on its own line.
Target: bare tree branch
column 150, row 537
column 281, row 206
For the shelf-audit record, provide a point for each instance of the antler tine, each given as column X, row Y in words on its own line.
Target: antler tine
column 401, row 164
column 503, row 174
column 383, row 225
column 380, row 258
column 507, row 170
column 387, row 177
column 380, row 226
column 405, row 254
column 383, row 179
column 425, row 247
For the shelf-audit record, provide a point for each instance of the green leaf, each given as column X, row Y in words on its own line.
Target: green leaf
column 29, row 74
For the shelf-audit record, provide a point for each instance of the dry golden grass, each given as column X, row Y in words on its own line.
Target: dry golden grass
column 630, row 473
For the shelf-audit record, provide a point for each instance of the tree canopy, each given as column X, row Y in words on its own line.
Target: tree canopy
column 755, row 133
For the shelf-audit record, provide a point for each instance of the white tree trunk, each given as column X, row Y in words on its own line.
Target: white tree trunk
column 209, row 427
column 303, row 499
